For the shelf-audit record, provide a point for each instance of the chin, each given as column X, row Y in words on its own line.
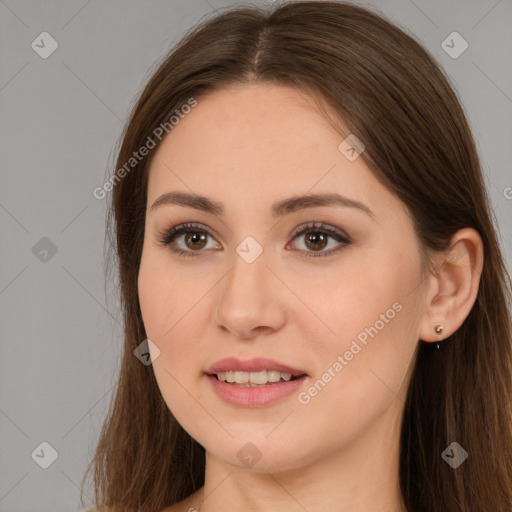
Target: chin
column 253, row 451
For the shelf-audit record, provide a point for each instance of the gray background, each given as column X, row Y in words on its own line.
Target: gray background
column 61, row 118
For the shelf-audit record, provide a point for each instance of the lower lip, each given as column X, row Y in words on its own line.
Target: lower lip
column 258, row 396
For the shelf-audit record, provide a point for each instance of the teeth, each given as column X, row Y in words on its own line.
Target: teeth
column 273, row 376
column 253, row 378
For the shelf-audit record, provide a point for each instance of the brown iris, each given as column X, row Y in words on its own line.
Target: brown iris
column 197, row 239
column 316, row 241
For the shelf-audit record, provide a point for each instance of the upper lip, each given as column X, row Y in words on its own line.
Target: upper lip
column 257, row 364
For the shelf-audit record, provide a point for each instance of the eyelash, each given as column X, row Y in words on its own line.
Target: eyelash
column 165, row 238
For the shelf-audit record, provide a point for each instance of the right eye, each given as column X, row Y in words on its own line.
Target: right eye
column 193, row 238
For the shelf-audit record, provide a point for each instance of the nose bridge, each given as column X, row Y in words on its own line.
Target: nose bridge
column 246, row 299
column 247, row 277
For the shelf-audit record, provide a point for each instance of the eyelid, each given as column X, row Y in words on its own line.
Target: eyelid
column 336, row 234
column 166, row 237
column 320, row 226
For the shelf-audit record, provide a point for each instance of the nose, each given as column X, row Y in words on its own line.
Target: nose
column 250, row 300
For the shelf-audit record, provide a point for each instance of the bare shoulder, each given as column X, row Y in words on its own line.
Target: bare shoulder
column 189, row 504
column 101, row 508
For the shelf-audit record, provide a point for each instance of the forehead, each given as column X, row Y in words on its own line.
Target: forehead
column 260, row 141
column 256, row 119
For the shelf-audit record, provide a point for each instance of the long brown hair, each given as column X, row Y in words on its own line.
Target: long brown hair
column 389, row 91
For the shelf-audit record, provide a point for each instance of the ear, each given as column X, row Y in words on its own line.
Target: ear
column 453, row 286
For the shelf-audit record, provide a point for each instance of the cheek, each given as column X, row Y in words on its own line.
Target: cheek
column 164, row 313
column 373, row 321
column 362, row 371
column 151, row 299
column 170, row 309
column 162, row 296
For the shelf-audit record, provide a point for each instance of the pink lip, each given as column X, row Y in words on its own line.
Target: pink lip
column 256, row 396
column 257, row 364
column 259, row 396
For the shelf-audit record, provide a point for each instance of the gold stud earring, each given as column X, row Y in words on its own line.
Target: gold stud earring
column 439, row 329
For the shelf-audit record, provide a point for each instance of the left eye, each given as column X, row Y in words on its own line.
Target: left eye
column 194, row 238
column 315, row 238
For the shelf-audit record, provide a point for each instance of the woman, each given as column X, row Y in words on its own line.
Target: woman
column 315, row 301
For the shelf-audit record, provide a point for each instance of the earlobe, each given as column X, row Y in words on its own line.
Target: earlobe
column 454, row 286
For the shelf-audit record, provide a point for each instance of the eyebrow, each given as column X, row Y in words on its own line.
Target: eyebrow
column 279, row 209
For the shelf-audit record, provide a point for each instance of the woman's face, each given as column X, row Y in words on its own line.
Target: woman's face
column 340, row 304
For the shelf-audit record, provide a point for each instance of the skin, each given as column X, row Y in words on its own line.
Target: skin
column 339, row 452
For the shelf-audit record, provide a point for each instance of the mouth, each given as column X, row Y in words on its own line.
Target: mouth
column 257, row 371
column 255, row 382
column 255, row 379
